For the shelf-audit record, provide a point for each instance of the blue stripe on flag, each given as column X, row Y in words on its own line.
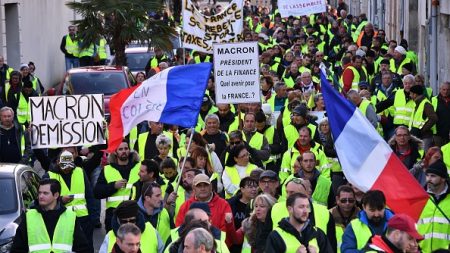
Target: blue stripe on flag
column 338, row 116
column 186, row 86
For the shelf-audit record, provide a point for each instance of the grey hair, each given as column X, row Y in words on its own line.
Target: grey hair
column 212, row 116
column 7, row 108
column 409, row 77
column 163, row 140
column 202, row 237
column 278, row 86
column 127, row 228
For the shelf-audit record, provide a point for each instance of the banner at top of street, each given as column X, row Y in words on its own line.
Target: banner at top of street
column 301, row 7
column 201, row 31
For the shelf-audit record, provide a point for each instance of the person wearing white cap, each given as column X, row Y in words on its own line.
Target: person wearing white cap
column 400, row 59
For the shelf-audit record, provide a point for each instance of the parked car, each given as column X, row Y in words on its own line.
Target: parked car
column 137, row 58
column 19, row 186
column 106, row 80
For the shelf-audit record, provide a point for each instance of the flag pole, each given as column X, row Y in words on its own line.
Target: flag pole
column 184, row 160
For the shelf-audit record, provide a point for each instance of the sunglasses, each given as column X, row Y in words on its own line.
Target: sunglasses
column 235, row 142
column 127, row 220
column 350, row 201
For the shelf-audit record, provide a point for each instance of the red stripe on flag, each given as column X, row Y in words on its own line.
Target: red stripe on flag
column 115, row 129
column 403, row 193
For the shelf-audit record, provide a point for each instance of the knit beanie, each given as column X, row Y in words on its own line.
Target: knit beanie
column 127, row 209
column 438, row 168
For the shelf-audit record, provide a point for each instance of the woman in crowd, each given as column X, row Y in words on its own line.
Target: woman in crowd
column 202, row 162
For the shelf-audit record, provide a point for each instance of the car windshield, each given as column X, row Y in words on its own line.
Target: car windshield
column 9, row 196
column 106, row 83
column 137, row 61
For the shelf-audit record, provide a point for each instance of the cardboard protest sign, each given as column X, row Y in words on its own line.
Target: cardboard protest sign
column 68, row 120
column 200, row 31
column 236, row 71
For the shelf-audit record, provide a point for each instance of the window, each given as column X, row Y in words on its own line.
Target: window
column 9, row 196
column 29, row 185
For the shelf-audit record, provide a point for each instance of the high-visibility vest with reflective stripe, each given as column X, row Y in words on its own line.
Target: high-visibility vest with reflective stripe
column 362, row 233
column 39, row 239
column 403, row 109
column 22, row 110
column 291, row 242
column 89, row 51
column 235, row 178
column 101, row 47
column 72, row 46
column 399, row 69
column 291, row 133
column 155, row 62
column 113, row 175
column 321, row 214
column 198, row 60
column 163, row 225
column 339, row 234
column 77, row 189
column 434, row 226
column 289, row 157
column 322, row 190
column 417, row 120
column 148, row 245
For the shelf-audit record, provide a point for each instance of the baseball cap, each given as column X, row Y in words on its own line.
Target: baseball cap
column 268, row 174
column 406, row 224
column 201, row 178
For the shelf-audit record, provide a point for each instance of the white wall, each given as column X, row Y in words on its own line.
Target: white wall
column 42, row 24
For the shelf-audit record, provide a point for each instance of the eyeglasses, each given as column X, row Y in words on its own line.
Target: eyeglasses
column 270, row 181
column 350, row 201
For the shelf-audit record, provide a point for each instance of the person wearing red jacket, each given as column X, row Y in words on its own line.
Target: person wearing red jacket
column 221, row 214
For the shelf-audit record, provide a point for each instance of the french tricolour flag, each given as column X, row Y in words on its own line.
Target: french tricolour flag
column 367, row 160
column 173, row 96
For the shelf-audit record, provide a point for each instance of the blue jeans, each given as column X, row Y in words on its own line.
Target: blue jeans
column 72, row 63
column 94, row 205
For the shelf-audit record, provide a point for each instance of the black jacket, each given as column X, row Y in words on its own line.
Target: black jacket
column 275, row 243
column 20, row 244
column 443, row 113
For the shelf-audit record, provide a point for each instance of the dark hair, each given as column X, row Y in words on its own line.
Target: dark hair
column 234, row 153
column 375, row 199
column 147, row 189
column 197, row 138
column 55, row 186
column 247, row 181
column 291, row 199
column 202, row 152
column 260, row 117
column 346, row 60
column 151, row 166
column 356, row 57
column 168, row 163
column 344, row 188
column 189, row 160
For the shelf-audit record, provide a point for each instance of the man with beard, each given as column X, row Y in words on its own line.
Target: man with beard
column 296, row 233
column 434, row 222
column 372, row 220
column 174, row 200
column 226, row 117
column 401, row 236
column 117, row 179
column 148, row 173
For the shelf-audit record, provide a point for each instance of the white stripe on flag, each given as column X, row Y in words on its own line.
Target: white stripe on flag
column 362, row 169
column 146, row 103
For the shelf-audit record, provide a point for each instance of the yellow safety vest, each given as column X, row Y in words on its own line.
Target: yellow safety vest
column 417, row 120
column 339, row 234
column 356, row 77
column 363, row 106
column 22, row 110
column 39, row 239
column 362, row 233
column 235, row 178
column 320, row 194
column 446, row 158
column 291, row 241
column 399, row 69
column 77, row 189
column 403, row 109
column 221, row 246
column 291, row 133
column 72, row 46
column 434, row 226
column 256, row 141
column 155, row 62
column 149, row 245
column 89, row 51
column 101, row 49
column 198, row 60
column 113, row 175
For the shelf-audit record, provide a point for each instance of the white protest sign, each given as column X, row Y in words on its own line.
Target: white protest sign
column 236, row 72
column 301, row 7
column 318, row 114
column 200, row 32
column 70, row 120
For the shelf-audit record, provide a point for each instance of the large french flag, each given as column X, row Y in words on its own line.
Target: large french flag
column 367, row 160
column 173, row 96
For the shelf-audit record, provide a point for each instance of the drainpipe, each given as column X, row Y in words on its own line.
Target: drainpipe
column 433, row 46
